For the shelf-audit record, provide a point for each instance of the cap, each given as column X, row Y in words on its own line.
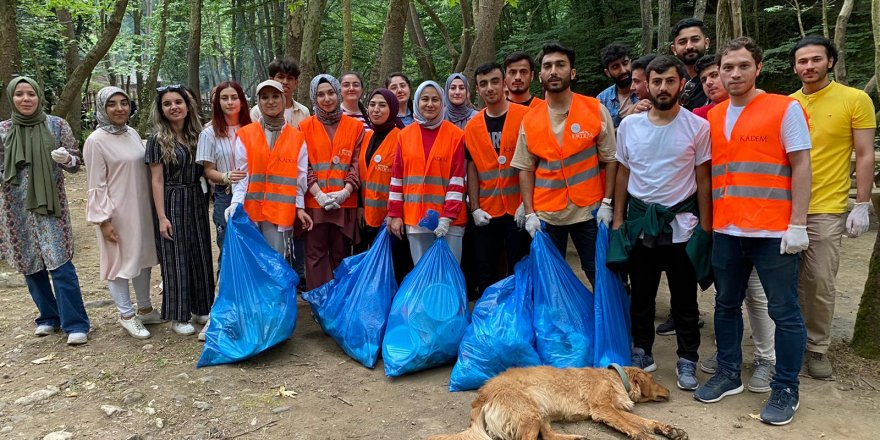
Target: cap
column 270, row 83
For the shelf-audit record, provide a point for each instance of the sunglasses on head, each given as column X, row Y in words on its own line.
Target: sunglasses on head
column 170, row 88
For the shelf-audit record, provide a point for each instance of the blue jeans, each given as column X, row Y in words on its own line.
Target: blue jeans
column 221, row 202
column 64, row 307
column 733, row 259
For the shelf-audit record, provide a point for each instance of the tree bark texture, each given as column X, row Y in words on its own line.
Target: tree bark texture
column 420, row 43
column 294, row 30
column 728, row 23
column 391, row 47
column 72, row 61
column 308, row 58
column 647, row 13
column 664, row 25
column 467, row 34
column 485, row 23
column 136, row 19
column 840, row 40
column 347, row 36
column 194, row 48
column 8, row 51
column 825, row 19
column 699, row 9
column 149, row 90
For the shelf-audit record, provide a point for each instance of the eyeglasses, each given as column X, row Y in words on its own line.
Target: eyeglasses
column 170, row 88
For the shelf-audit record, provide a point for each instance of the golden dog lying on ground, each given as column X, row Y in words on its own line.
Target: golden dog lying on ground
column 520, row 403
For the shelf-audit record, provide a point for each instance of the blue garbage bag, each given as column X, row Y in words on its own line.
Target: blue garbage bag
column 612, row 309
column 428, row 316
column 353, row 307
column 564, row 324
column 256, row 300
column 500, row 335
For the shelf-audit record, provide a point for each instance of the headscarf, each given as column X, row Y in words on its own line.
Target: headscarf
column 29, row 142
column 433, row 123
column 104, row 121
column 393, row 108
column 461, row 113
column 272, row 124
column 326, row 118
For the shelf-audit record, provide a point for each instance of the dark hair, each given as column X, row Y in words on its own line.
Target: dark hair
column 556, row 48
column 612, row 53
column 400, row 74
column 218, row 118
column 662, row 63
column 814, row 40
column 519, row 56
column 705, row 62
column 684, row 24
column 286, row 65
column 641, row 63
column 740, row 43
column 361, row 107
column 486, row 68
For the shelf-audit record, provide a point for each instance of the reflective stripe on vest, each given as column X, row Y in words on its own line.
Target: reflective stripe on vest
column 272, row 175
column 331, row 160
column 376, row 176
column 718, row 171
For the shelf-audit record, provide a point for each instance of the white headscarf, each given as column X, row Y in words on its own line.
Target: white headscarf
column 435, row 122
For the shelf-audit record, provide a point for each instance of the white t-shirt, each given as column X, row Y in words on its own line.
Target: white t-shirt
column 795, row 136
column 662, row 160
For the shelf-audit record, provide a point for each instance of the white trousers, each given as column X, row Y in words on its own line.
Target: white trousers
column 121, row 295
column 420, row 242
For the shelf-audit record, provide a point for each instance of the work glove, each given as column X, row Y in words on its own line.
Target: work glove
column 326, row 201
column 340, row 196
column 227, row 213
column 857, row 221
column 794, row 240
column 520, row 216
column 60, row 155
column 442, row 227
column 481, row 218
column 606, row 212
column 533, row 224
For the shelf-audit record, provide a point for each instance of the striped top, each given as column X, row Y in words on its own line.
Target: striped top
column 217, row 150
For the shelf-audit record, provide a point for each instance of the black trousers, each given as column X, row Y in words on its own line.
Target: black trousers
column 400, row 255
column 583, row 235
column 500, row 233
column 645, row 267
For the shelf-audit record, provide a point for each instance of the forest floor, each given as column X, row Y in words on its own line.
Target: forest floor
column 116, row 387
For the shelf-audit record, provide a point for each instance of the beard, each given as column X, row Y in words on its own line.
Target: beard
column 690, row 57
column 671, row 101
column 623, row 82
column 564, row 83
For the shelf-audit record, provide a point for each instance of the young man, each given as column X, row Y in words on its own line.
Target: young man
column 706, row 68
column 493, row 186
column 664, row 157
column 519, row 72
column 689, row 43
column 640, row 80
column 563, row 146
column 619, row 98
column 761, row 190
column 842, row 120
column 286, row 71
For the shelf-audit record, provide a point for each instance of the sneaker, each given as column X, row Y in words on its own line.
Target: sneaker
column 182, row 328
column 45, row 330
column 204, row 330
column 77, row 338
column 150, row 318
column 760, row 381
column 818, row 365
column 719, row 386
column 134, row 327
column 781, row 406
column 686, row 371
column 200, row 319
column 710, row 365
column 642, row 360
column 666, row 328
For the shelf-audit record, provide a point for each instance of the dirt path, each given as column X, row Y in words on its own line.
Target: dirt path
column 153, row 391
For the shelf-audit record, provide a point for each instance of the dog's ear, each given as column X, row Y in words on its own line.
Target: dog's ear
column 636, row 381
column 649, row 389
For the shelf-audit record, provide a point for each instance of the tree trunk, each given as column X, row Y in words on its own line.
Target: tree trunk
column 728, row 23
column 347, row 36
column 647, row 13
column 279, row 27
column 825, row 18
column 420, row 43
column 72, row 61
column 797, row 10
column 265, row 25
column 391, row 47
column 467, row 34
column 73, row 87
column 194, row 49
column 483, row 49
column 149, row 89
column 663, row 25
column 136, row 18
column 840, row 40
column 294, row 31
column 450, row 47
column 233, row 53
column 699, row 9
column 260, row 69
column 8, row 51
column 311, row 43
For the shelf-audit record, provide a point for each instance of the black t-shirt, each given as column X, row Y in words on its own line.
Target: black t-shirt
column 526, row 103
column 693, row 95
column 494, row 125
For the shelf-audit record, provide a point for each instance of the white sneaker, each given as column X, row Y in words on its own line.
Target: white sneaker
column 200, row 319
column 77, row 338
column 182, row 328
column 204, row 330
column 45, row 330
column 150, row 318
column 135, row 327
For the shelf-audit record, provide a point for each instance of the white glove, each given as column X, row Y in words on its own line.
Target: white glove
column 340, row 196
column 857, row 221
column 606, row 212
column 520, row 216
column 481, row 218
column 794, row 240
column 230, row 210
column 326, row 201
column 442, row 227
column 60, row 155
column 533, row 224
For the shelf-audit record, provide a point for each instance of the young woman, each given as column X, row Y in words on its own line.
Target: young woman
column 215, row 154
column 352, row 91
column 36, row 237
column 333, row 141
column 119, row 203
column 460, row 109
column 428, row 173
column 184, row 240
column 401, row 86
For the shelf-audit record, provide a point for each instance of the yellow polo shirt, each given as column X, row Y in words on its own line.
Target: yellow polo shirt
column 833, row 114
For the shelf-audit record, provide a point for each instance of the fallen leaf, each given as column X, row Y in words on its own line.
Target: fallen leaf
column 284, row 392
column 72, row 394
column 755, row 416
column 44, row 359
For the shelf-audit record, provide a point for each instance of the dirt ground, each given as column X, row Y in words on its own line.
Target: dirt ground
column 152, row 390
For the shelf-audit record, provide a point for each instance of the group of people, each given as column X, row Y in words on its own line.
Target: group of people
column 698, row 173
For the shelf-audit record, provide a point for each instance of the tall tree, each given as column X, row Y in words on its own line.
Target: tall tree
column 347, row 36
column 8, row 51
column 485, row 22
column 699, row 9
column 664, row 14
column 193, row 51
column 149, row 89
column 420, row 43
column 450, row 47
column 467, row 33
column 294, row 29
column 391, row 47
column 840, row 40
column 308, row 58
column 728, row 24
column 647, row 13
column 72, row 61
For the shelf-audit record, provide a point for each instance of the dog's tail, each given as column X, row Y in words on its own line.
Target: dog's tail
column 477, row 430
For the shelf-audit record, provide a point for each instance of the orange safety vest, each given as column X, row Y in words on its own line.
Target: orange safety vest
column 570, row 171
column 535, row 102
column 331, row 161
column 751, row 174
column 425, row 179
column 272, row 189
column 376, row 177
column 499, row 182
